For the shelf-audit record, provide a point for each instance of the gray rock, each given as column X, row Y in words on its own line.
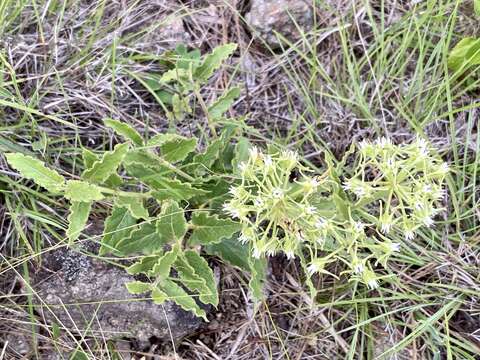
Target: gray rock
column 89, row 296
column 285, row 17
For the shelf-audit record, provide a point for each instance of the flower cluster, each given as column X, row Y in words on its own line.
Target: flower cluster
column 283, row 208
column 406, row 181
column 276, row 211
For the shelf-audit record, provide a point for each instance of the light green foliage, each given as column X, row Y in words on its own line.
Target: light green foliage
column 465, row 55
column 171, row 222
column 125, row 131
column 118, row 226
column 213, row 61
column 173, row 147
column 76, row 190
column 102, row 169
column 77, row 219
column 134, row 205
column 203, row 271
column 209, row 229
column 138, row 287
column 35, row 170
column 145, row 239
column 219, row 107
column 164, row 189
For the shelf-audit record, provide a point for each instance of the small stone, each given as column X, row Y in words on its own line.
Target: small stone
column 286, row 17
column 89, row 295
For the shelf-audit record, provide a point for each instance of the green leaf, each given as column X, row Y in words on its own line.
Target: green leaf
column 143, row 266
column 142, row 157
column 77, row 190
column 35, row 170
column 134, row 205
column 89, row 159
column 171, row 224
column 219, row 107
column 241, row 153
column 153, row 81
column 232, row 251
column 189, row 278
column 138, row 287
column 209, row 229
column 118, row 226
column 465, row 54
column 161, row 269
column 124, row 130
column 174, row 189
column 213, row 61
column 173, row 148
column 177, row 294
column 158, row 296
column 102, row 169
column 258, row 270
column 203, row 271
column 476, row 6
column 174, row 75
column 144, row 239
column 77, row 219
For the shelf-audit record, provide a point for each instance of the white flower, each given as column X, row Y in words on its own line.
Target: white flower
column 390, row 163
column 315, row 266
column 395, row 247
column 427, row 188
column 419, row 205
column 386, row 226
column 256, row 253
column 290, row 254
column 268, row 162
column 290, row 155
column 358, row 226
column 254, row 153
column 243, row 239
column 231, row 210
column 235, row 191
column 372, row 284
column 358, row 268
column 321, row 224
column 258, row 202
column 439, row 193
column 364, row 144
column 428, row 221
column 422, row 147
column 409, row 235
column 277, row 193
column 444, row 168
column 310, row 210
column 271, row 252
column 243, row 167
column 383, row 142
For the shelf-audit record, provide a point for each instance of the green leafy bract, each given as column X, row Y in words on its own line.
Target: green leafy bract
column 134, row 205
column 213, row 61
column 173, row 148
column 219, row 107
column 35, row 170
column 171, row 222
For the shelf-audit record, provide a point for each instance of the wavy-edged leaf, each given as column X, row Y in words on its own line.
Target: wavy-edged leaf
column 76, row 190
column 138, row 287
column 89, row 158
column 173, row 147
column 35, row 170
column 465, row 54
column 118, row 226
column 213, row 61
column 258, row 271
column 177, row 294
column 174, row 75
column 124, row 130
column 190, row 279
column 223, row 103
column 208, row 229
column 174, row 189
column 107, row 165
column 241, row 153
column 161, row 269
column 143, row 266
column 144, row 239
column 232, row 251
column 171, row 223
column 134, row 205
column 158, row 296
column 203, row 271
column 77, row 219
